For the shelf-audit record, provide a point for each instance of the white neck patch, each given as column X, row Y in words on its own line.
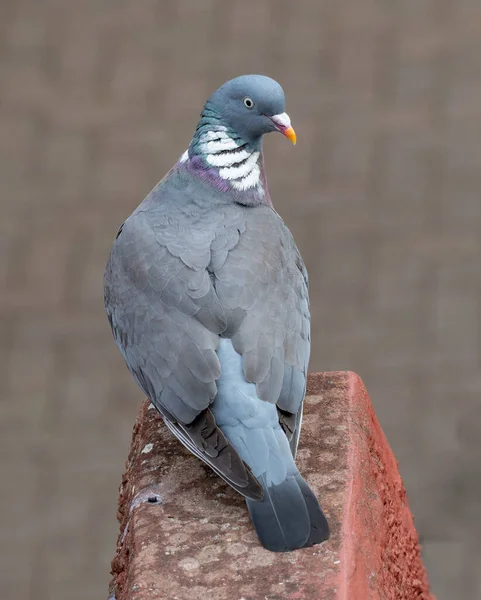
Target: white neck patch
column 236, row 164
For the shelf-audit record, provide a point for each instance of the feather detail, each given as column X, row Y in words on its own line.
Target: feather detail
column 249, row 181
column 220, row 145
column 244, row 159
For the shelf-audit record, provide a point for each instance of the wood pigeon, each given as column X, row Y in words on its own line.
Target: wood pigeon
column 207, row 297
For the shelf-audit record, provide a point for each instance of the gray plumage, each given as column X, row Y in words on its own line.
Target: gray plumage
column 206, row 294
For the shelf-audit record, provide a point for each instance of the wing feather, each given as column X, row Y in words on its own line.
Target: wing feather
column 166, row 319
column 264, row 279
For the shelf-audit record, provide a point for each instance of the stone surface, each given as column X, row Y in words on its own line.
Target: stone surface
column 185, row 534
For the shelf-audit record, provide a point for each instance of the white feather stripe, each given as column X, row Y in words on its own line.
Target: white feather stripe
column 214, row 135
column 252, row 180
column 219, row 146
column 242, row 170
column 228, row 159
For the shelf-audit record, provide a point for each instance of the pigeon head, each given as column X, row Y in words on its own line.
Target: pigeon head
column 226, row 149
column 250, row 106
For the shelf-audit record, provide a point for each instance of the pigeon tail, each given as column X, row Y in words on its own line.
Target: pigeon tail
column 289, row 516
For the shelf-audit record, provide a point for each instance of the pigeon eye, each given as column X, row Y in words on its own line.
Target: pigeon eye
column 248, row 103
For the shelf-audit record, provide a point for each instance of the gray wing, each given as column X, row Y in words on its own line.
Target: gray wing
column 263, row 287
column 166, row 319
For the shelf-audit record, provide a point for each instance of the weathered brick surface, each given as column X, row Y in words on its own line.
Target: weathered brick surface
column 185, row 534
column 382, row 193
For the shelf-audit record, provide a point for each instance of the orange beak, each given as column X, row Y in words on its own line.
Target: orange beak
column 290, row 134
column 282, row 123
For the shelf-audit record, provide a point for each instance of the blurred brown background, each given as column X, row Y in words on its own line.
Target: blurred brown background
column 382, row 193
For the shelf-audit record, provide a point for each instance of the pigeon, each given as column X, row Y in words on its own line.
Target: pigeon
column 207, row 297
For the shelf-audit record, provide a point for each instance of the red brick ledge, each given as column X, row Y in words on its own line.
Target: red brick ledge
column 184, row 534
